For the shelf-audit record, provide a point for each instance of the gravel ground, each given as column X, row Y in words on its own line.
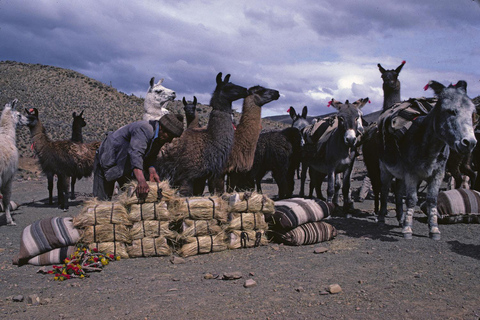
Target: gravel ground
column 381, row 275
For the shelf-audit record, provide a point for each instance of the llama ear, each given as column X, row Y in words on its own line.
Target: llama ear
column 437, row 87
column 152, row 82
column 227, row 78
column 81, row 113
column 74, row 114
column 462, row 85
column 304, row 112
column 13, row 104
column 382, row 70
column 219, row 78
column 184, row 101
column 194, row 100
column 399, row 68
column 293, row 113
column 160, row 81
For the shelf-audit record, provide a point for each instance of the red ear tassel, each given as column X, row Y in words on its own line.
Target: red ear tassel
column 329, row 103
column 369, row 101
column 403, row 62
column 426, row 87
column 288, row 111
column 31, row 110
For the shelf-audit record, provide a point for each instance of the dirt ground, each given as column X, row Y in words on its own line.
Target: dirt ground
column 382, row 276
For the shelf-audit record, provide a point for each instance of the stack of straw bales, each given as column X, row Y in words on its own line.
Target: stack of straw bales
column 151, row 220
column 201, row 229
column 246, row 225
column 105, row 226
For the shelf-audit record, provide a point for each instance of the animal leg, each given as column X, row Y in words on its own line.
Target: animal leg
column 399, row 192
column 303, row 177
column 347, row 198
column 63, row 191
column 331, row 188
column 411, row 202
column 386, row 179
column 72, row 187
column 431, row 203
column 6, row 193
column 282, row 184
column 50, row 177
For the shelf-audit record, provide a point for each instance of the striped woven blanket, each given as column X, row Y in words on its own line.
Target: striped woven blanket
column 290, row 213
column 459, row 206
column 45, row 235
column 309, row 233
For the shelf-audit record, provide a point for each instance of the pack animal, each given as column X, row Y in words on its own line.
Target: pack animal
column 9, row 121
column 422, row 151
column 337, row 150
column 156, row 100
column 64, row 158
column 202, row 153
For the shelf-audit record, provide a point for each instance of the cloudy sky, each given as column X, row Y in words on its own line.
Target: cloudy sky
column 311, row 51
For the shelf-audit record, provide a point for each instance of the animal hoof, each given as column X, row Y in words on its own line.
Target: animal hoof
column 11, row 224
column 407, row 232
column 407, row 236
column 435, row 236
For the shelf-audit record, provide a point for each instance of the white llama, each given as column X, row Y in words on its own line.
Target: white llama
column 9, row 120
column 156, row 100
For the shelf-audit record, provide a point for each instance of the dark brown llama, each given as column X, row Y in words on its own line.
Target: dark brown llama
column 64, row 158
column 191, row 113
column 201, row 153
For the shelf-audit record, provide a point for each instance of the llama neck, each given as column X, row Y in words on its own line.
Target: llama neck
column 7, row 127
column 77, row 135
column 246, row 137
column 391, row 96
column 39, row 136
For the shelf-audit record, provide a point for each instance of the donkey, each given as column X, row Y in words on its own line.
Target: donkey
column 156, row 100
column 422, row 152
column 337, row 149
column 9, row 120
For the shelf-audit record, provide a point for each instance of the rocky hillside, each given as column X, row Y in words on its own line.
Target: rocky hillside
column 57, row 92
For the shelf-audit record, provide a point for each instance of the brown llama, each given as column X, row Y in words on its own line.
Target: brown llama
column 190, row 113
column 246, row 136
column 64, row 158
column 202, row 153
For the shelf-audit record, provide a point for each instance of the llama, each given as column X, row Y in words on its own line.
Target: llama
column 64, row 158
column 9, row 120
column 422, row 151
column 391, row 95
column 280, row 153
column 156, row 100
column 246, row 136
column 77, row 125
column 202, row 153
column 337, row 149
column 190, row 113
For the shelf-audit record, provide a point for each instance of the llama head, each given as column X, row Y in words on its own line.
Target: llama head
column 156, row 100
column 17, row 118
column 350, row 119
column 32, row 117
column 390, row 77
column 453, row 115
column 225, row 93
column 262, row 95
column 299, row 120
column 78, row 120
column 190, row 108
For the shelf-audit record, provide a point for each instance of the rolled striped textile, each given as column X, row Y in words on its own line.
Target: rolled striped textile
column 55, row 256
column 458, row 206
column 291, row 213
column 309, row 233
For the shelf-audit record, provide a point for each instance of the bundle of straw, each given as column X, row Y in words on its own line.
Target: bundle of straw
column 106, row 233
column 149, row 247
column 246, row 239
column 195, row 228
column 250, row 202
column 247, row 221
column 158, row 191
column 152, row 211
column 200, row 208
column 101, row 212
column 152, row 229
column 115, row 248
column 205, row 244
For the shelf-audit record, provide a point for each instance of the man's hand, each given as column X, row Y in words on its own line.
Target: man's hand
column 142, row 187
column 153, row 175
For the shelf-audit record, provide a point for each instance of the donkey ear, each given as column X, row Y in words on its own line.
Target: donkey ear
column 152, row 82
column 304, row 112
column 382, row 70
column 184, row 101
column 462, row 85
column 360, row 103
column 293, row 112
column 437, row 87
column 399, row 68
column 194, row 100
column 336, row 104
column 219, row 78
